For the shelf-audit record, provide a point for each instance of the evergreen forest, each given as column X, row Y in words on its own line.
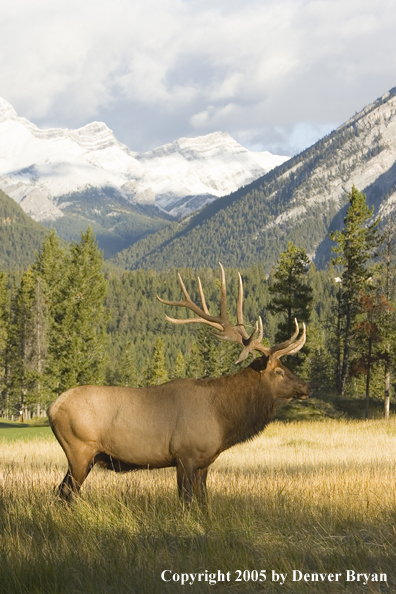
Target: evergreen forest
column 70, row 318
column 20, row 236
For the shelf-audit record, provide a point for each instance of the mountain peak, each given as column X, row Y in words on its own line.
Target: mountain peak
column 196, row 146
column 7, row 112
column 95, row 128
column 55, row 167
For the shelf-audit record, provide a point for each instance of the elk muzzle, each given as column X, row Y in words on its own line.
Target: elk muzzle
column 303, row 391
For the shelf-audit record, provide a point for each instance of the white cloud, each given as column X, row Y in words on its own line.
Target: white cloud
column 160, row 69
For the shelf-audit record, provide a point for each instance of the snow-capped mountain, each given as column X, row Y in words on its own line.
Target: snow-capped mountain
column 50, row 171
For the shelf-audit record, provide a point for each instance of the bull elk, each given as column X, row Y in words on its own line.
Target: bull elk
column 185, row 423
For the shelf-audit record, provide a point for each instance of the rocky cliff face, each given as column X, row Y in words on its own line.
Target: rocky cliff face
column 48, row 171
column 362, row 152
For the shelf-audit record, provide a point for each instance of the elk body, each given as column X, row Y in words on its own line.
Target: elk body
column 184, row 423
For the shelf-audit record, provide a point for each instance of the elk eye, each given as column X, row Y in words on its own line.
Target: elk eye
column 279, row 371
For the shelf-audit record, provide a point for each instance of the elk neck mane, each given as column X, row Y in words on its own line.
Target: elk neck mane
column 241, row 404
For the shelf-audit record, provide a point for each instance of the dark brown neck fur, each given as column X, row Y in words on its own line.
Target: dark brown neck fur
column 242, row 404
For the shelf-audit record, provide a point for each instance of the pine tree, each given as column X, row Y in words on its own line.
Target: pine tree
column 77, row 346
column 194, row 361
column 21, row 341
column 50, row 274
column 51, row 265
column 369, row 337
column 386, row 276
column 376, row 325
column 126, row 373
column 156, row 371
column 208, row 348
column 356, row 244
column 291, row 295
column 180, row 366
column 4, row 322
column 32, row 323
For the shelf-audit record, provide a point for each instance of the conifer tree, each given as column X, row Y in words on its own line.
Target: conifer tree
column 4, row 322
column 215, row 357
column 369, row 337
column 21, row 340
column 32, row 323
column 180, row 366
column 208, row 348
column 291, row 294
column 376, row 326
column 194, row 362
column 156, row 370
column 386, row 275
column 77, row 345
column 51, row 265
column 126, row 373
column 356, row 244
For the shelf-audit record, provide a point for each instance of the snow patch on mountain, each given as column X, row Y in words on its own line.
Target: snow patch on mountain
column 41, row 168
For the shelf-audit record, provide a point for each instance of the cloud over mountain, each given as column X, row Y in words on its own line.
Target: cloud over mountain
column 275, row 75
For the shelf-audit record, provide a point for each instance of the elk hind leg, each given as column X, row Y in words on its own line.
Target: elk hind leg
column 81, row 460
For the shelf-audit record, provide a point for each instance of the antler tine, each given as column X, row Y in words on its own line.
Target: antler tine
column 183, row 286
column 289, row 347
column 192, row 320
column 240, row 301
column 223, row 295
column 260, row 336
column 204, row 316
column 201, row 293
column 250, row 344
column 254, row 344
column 286, row 343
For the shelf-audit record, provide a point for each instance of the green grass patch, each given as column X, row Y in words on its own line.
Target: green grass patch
column 14, row 430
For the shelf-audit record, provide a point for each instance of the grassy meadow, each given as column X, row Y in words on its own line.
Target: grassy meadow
column 313, row 496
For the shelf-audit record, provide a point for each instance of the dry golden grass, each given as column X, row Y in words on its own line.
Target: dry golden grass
column 311, row 496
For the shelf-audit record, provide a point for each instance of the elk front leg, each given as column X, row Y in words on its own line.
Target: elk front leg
column 186, row 472
column 199, row 486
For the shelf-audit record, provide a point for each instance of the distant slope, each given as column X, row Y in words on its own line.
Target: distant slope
column 300, row 200
column 20, row 237
column 116, row 223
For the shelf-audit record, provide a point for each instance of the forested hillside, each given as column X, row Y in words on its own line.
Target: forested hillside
column 302, row 201
column 20, row 236
column 71, row 319
column 116, row 223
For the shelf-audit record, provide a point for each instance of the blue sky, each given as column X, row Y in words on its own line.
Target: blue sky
column 276, row 74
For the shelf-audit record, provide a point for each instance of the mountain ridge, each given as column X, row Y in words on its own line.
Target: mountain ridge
column 301, row 200
column 43, row 169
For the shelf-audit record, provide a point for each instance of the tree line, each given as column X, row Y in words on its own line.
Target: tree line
column 53, row 324
column 73, row 319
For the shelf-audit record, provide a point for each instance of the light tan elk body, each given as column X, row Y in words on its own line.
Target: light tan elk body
column 184, row 423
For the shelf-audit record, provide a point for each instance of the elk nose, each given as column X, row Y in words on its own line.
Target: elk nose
column 304, row 391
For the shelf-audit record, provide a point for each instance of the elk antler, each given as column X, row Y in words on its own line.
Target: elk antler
column 237, row 333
